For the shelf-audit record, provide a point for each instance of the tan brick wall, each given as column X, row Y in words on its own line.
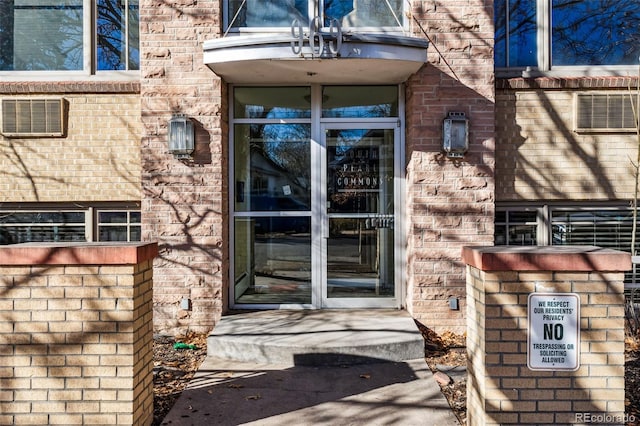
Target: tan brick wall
column 501, row 388
column 540, row 157
column 450, row 202
column 184, row 203
column 98, row 160
column 76, row 342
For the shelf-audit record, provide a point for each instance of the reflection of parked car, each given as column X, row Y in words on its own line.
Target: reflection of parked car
column 284, row 224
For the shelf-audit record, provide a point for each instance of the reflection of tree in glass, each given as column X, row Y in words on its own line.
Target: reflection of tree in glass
column 515, row 31
column 595, row 32
column 57, row 45
column 112, row 33
column 288, row 146
column 47, row 35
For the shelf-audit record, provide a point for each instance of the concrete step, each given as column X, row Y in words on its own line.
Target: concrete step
column 317, row 337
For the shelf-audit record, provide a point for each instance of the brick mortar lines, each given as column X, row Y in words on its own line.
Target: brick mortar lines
column 608, row 82
column 83, row 87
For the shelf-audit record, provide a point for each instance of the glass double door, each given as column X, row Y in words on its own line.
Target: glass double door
column 317, row 232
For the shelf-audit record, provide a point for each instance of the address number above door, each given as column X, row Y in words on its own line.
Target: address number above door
column 324, row 44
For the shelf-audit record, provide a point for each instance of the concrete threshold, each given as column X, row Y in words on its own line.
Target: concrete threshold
column 317, row 337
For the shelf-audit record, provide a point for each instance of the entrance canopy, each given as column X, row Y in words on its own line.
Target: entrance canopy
column 278, row 59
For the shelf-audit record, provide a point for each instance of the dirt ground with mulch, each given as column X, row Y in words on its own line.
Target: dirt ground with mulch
column 175, row 366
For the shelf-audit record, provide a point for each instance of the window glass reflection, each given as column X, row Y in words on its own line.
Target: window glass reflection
column 364, row 13
column 360, row 171
column 272, row 260
column 604, row 228
column 272, row 167
column 595, row 32
column 272, row 102
column 118, row 35
column 274, row 13
column 41, row 35
column 360, row 258
column 515, row 38
column 359, row 101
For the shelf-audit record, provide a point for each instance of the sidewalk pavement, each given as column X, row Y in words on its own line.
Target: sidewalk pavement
column 225, row 392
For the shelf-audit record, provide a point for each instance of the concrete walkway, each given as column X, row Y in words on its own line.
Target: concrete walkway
column 328, row 373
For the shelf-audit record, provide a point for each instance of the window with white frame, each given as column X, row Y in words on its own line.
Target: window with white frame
column 548, row 34
column 69, row 224
column 387, row 15
column 69, row 35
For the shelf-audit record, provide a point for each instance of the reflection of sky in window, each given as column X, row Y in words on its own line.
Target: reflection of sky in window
column 520, row 25
column 34, row 46
column 337, row 9
column 112, row 33
column 595, row 32
column 274, row 13
column 346, row 139
column 48, row 35
column 368, row 111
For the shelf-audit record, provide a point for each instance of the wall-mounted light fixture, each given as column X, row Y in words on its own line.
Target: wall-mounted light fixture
column 455, row 135
column 181, row 136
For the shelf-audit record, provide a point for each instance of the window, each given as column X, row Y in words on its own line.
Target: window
column 559, row 33
column 69, row 225
column 57, row 35
column 515, row 39
column 559, row 225
column 516, row 227
column 119, row 225
column 39, row 226
column 610, row 228
column 118, row 35
column 607, row 226
column 279, row 14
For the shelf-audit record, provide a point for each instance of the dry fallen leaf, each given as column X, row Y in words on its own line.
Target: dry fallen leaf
column 234, row 386
column 253, row 397
column 365, row 376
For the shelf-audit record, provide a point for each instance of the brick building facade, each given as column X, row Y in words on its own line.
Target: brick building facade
column 112, row 164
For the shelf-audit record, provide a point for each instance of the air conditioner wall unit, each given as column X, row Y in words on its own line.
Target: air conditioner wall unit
column 27, row 118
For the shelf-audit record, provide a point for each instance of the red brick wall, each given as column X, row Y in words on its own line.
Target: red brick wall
column 182, row 205
column 450, row 202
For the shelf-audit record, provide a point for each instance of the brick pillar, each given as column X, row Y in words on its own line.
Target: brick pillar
column 502, row 388
column 76, row 334
column 450, row 202
column 184, row 205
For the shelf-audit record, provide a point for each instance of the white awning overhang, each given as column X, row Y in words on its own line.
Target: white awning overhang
column 270, row 59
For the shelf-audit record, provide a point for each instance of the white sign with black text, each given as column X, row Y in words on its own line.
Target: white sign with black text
column 554, row 331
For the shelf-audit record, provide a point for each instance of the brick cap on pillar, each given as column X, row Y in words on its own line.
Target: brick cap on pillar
column 546, row 258
column 116, row 253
